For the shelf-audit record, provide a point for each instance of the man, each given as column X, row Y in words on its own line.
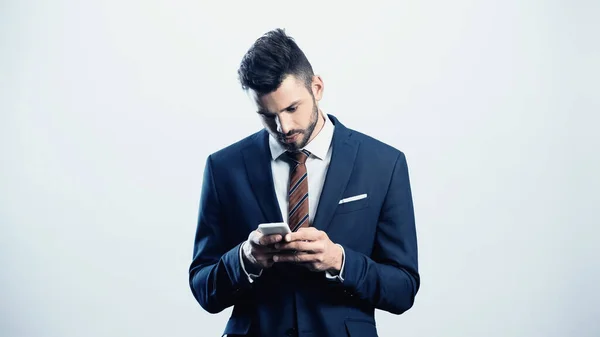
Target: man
column 345, row 196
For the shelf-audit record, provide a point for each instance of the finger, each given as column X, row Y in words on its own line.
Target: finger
column 307, row 246
column 298, row 257
column 263, row 249
column 263, row 256
column 254, row 236
column 269, row 262
column 266, row 240
column 308, row 265
column 257, row 238
column 304, row 234
column 265, row 260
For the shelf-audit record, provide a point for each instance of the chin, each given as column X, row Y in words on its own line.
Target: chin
column 293, row 146
column 299, row 144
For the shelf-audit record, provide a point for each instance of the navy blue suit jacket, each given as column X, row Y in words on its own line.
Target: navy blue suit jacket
column 377, row 233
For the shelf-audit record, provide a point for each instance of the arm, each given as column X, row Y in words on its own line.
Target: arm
column 216, row 277
column 389, row 279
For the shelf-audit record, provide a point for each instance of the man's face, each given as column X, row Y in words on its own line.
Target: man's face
column 290, row 113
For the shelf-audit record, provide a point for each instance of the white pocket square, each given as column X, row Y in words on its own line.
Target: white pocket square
column 354, row 198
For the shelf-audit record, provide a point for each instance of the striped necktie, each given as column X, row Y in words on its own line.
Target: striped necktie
column 298, row 191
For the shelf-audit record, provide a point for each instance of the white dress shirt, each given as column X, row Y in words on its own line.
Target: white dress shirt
column 316, row 167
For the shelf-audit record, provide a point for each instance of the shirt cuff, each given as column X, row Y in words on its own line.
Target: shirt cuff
column 250, row 276
column 340, row 276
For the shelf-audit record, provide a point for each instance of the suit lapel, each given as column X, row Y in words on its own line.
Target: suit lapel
column 344, row 151
column 257, row 158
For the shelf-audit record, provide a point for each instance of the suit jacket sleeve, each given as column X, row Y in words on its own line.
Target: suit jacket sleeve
column 389, row 278
column 215, row 275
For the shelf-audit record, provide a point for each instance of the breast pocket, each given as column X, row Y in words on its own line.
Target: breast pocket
column 352, row 203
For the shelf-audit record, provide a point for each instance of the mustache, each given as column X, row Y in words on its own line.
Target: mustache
column 291, row 133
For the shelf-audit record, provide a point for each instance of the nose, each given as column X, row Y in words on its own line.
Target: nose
column 284, row 124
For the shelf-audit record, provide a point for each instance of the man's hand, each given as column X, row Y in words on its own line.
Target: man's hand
column 259, row 250
column 313, row 249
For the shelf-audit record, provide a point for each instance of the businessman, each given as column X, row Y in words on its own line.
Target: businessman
column 345, row 196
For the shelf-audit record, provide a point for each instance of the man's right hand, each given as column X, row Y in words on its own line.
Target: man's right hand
column 259, row 249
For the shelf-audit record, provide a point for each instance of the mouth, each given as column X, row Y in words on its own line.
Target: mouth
column 291, row 139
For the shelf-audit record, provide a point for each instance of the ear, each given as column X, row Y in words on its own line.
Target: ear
column 317, row 87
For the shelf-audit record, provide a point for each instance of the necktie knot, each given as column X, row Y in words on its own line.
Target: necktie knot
column 299, row 157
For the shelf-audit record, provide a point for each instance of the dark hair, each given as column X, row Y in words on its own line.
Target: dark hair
column 270, row 60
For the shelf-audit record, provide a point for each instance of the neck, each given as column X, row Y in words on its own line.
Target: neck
column 320, row 123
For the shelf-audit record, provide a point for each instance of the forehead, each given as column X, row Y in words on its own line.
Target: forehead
column 290, row 91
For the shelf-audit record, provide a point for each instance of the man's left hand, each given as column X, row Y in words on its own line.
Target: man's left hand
column 312, row 248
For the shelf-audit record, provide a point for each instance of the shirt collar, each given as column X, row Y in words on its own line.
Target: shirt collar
column 318, row 147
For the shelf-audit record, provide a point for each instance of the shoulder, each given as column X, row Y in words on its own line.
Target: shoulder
column 380, row 159
column 369, row 146
column 234, row 151
column 374, row 148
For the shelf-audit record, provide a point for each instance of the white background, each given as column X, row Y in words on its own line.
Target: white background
column 109, row 109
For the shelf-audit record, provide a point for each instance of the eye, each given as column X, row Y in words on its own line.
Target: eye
column 292, row 108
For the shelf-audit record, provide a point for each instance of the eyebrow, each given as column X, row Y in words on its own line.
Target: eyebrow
column 264, row 112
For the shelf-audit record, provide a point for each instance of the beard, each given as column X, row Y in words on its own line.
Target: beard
column 306, row 133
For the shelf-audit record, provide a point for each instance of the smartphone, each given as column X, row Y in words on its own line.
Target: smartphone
column 274, row 228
